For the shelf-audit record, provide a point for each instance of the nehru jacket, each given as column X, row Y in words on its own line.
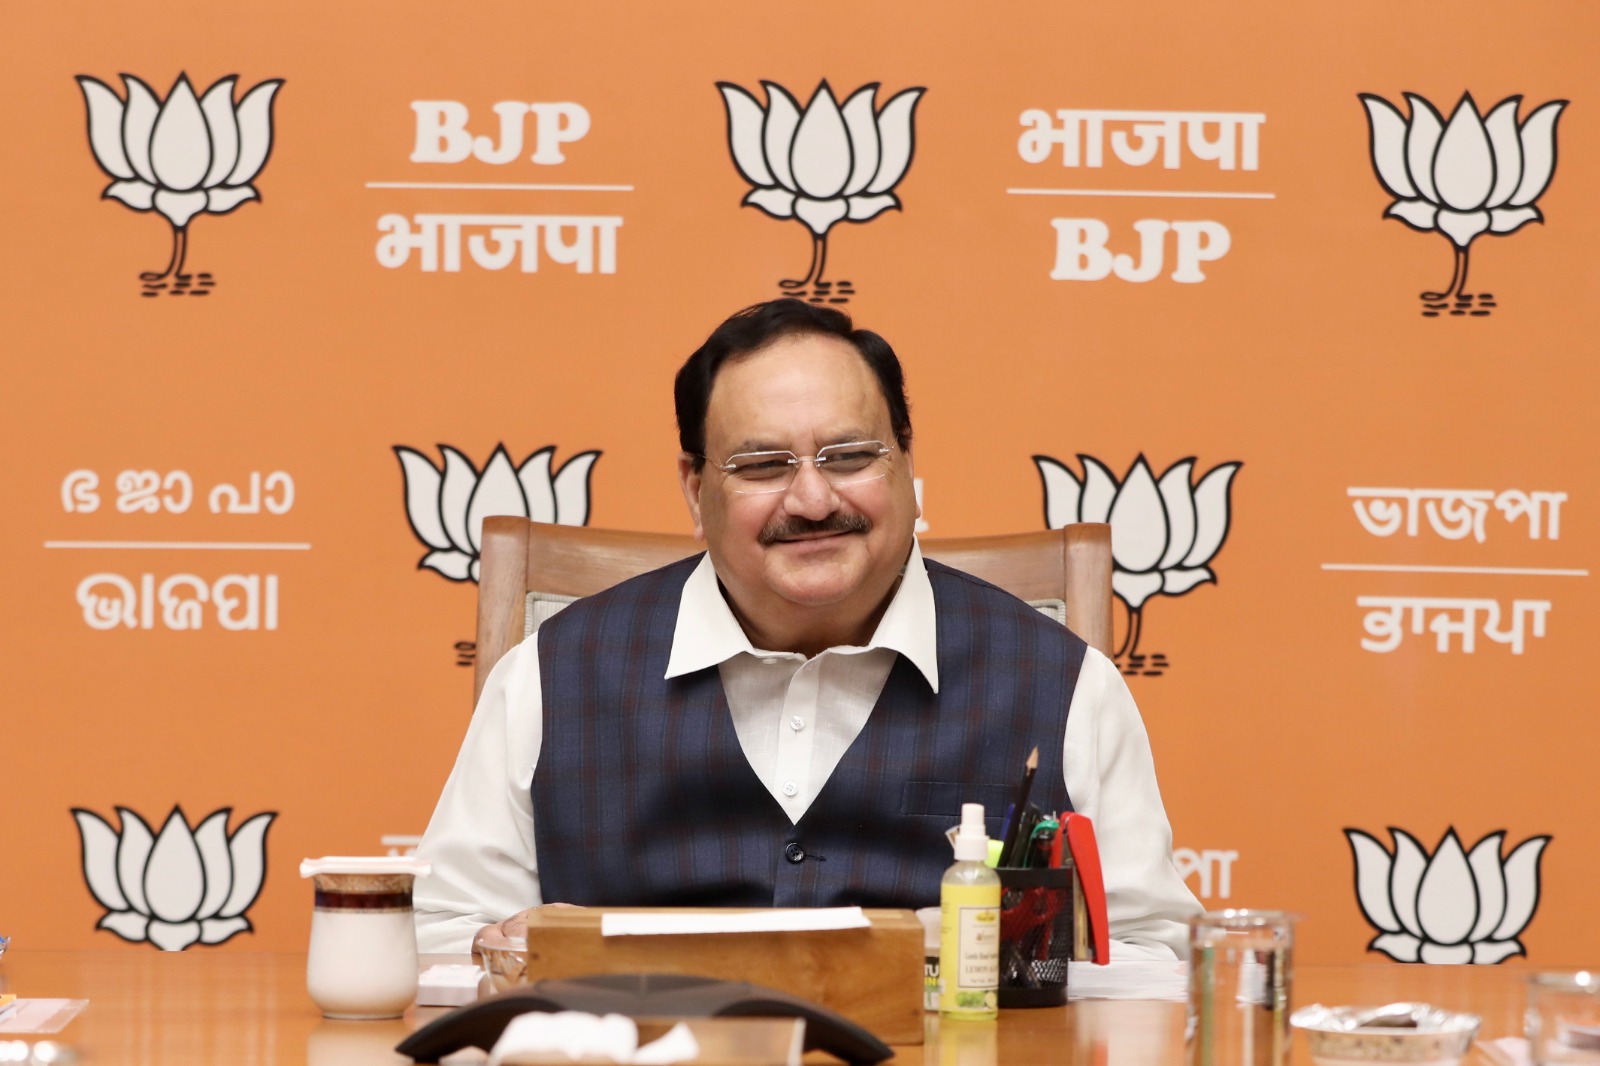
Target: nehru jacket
column 644, row 796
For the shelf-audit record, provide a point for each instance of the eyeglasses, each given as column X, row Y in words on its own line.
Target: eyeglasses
column 841, row 464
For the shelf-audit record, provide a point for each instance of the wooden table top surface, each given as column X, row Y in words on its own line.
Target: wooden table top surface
column 174, row 1009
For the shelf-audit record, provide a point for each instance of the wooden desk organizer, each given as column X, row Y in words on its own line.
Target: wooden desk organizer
column 871, row 976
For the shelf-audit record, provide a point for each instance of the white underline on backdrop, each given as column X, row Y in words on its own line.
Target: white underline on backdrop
column 1523, row 571
column 499, row 185
column 203, row 545
column 1146, row 192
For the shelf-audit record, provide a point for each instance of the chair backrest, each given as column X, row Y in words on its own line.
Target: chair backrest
column 529, row 570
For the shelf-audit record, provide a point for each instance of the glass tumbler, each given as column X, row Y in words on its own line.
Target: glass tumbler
column 1241, row 970
column 1563, row 1021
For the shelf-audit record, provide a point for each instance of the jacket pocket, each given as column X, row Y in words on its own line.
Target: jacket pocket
column 943, row 799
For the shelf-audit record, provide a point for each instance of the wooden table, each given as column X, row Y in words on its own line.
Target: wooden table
column 199, row 1007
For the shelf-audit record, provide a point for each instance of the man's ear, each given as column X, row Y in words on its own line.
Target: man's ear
column 691, row 481
column 911, row 470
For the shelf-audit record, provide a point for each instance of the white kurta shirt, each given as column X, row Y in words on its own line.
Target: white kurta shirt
column 794, row 717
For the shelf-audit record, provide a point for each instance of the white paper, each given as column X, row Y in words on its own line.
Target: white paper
column 1129, row 979
column 804, row 919
column 446, row 985
column 41, row 1015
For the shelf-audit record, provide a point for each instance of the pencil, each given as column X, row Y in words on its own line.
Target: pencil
column 1022, row 802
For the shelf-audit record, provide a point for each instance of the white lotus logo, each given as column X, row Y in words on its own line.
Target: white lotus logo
column 447, row 505
column 1465, row 177
column 178, row 887
column 821, row 165
column 180, row 157
column 1452, row 907
column 1163, row 533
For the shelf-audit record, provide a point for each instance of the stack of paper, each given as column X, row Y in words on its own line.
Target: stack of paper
column 1129, row 979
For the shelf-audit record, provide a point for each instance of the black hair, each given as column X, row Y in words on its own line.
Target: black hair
column 756, row 327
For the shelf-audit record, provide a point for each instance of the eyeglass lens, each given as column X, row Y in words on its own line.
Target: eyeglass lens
column 841, row 464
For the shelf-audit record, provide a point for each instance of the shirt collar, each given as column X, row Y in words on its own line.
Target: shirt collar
column 707, row 633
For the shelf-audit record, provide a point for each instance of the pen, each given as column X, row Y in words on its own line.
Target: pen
column 1042, row 843
column 1006, row 825
column 1025, row 826
column 1021, row 805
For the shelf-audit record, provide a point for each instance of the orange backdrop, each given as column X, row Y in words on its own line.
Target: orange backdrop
column 1293, row 342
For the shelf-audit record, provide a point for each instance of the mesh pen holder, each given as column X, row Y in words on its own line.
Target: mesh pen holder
column 1043, row 927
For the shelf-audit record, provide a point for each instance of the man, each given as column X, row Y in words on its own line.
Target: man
column 795, row 717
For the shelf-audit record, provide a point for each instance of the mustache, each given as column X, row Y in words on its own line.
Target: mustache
column 795, row 526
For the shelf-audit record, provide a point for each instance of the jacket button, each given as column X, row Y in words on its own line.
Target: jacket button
column 794, row 852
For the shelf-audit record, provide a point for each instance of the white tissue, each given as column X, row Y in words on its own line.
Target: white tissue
column 613, row 1038
column 675, row 1045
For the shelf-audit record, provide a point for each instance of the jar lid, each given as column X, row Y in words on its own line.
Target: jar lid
column 365, row 864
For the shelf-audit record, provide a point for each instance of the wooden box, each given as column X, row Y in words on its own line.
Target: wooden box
column 872, row 976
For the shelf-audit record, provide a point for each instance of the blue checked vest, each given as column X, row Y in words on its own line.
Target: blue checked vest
column 643, row 796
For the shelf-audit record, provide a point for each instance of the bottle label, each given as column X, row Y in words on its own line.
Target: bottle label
column 980, row 947
column 969, row 946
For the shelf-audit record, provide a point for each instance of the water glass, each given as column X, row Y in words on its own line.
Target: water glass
column 1563, row 1021
column 1241, row 970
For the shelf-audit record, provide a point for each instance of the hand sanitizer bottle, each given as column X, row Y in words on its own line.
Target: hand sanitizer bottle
column 969, row 926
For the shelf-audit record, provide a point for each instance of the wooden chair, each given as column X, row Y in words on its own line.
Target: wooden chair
column 530, row 570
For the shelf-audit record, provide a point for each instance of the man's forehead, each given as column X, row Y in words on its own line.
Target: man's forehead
column 818, row 387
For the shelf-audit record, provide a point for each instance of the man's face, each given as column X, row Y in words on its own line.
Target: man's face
column 814, row 545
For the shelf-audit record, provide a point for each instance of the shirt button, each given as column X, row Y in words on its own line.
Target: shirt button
column 790, row 788
column 797, row 723
column 769, row 661
column 794, row 852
